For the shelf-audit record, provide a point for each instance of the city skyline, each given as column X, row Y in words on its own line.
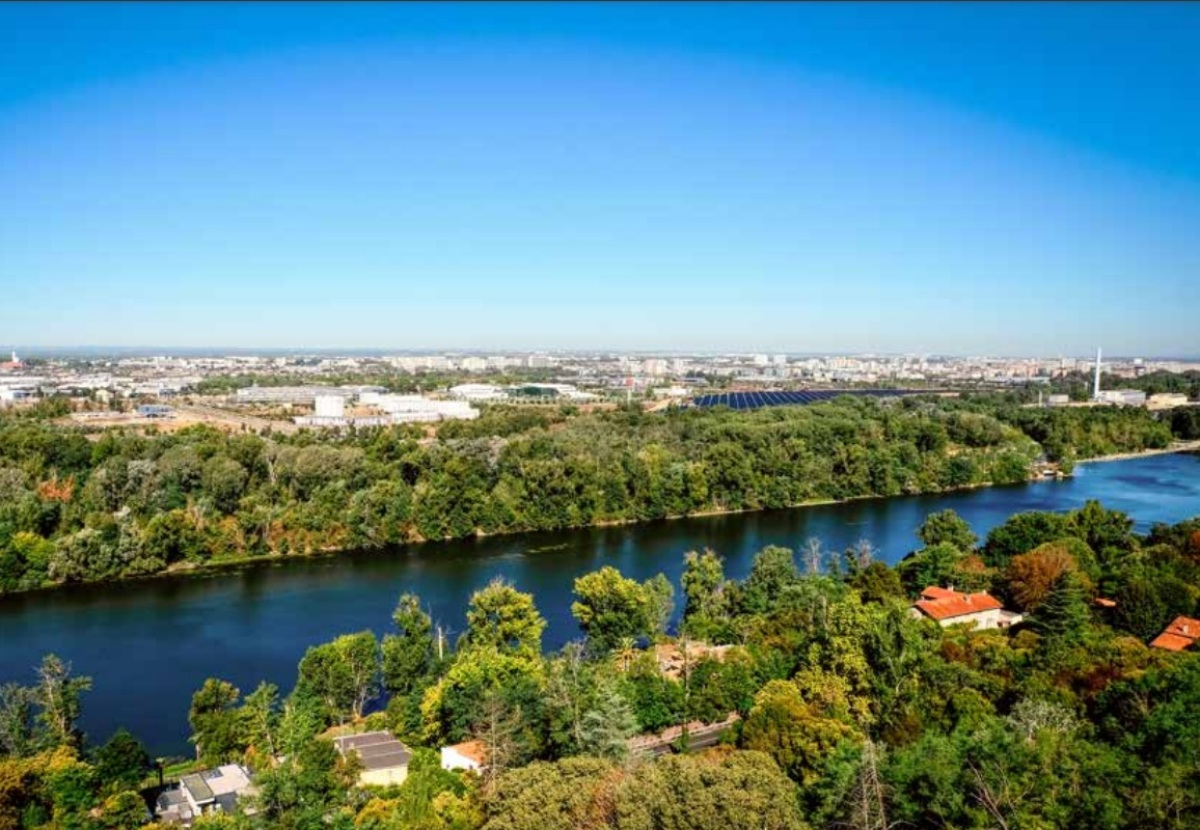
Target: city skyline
column 803, row 179
column 143, row 352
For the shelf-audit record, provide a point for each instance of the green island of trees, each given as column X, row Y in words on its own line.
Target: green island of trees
column 848, row 710
column 78, row 506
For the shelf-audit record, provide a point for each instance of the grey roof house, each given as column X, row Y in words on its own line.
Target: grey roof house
column 209, row 791
column 384, row 759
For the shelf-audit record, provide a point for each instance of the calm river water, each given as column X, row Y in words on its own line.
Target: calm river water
column 150, row 644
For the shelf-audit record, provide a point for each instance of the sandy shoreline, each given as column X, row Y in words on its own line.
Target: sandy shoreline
column 1179, row 446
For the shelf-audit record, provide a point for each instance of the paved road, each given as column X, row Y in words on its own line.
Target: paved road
column 697, row 739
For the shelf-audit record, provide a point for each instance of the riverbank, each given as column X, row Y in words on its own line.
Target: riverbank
column 255, row 623
column 1176, row 447
column 234, row 563
column 214, row 567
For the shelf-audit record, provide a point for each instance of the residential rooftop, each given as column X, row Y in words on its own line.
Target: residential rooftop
column 376, row 750
column 1182, row 633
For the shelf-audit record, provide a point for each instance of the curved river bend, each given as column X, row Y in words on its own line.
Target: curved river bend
column 150, row 644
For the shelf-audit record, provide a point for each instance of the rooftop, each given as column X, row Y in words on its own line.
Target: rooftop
column 474, row 750
column 376, row 750
column 198, row 787
column 1180, row 634
column 945, row 604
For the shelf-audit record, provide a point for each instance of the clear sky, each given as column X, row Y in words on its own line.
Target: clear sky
column 997, row 178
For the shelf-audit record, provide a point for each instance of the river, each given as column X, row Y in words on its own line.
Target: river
column 150, row 644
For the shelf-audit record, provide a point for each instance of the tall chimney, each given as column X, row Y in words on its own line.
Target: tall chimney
column 1096, row 386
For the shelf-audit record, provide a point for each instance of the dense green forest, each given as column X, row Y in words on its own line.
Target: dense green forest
column 851, row 712
column 76, row 507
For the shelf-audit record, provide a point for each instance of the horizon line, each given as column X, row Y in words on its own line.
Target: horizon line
column 102, row 349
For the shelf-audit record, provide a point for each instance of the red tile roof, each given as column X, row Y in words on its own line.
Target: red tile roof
column 944, row 604
column 474, row 750
column 1171, row 642
column 1184, row 627
column 1181, row 633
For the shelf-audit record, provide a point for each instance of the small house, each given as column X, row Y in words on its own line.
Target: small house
column 1182, row 633
column 950, row 607
column 468, row 755
column 384, row 759
column 199, row 793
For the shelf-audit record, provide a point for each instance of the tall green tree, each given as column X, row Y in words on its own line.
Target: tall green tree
column 947, row 527
column 660, row 603
column 1022, row 533
column 610, row 608
column 935, row 565
column 742, row 791
column 59, row 695
column 408, row 655
column 260, row 715
column 706, row 608
column 16, row 720
column 503, row 617
column 796, row 733
column 216, row 725
column 608, row 726
column 343, row 674
column 1063, row 617
column 773, row 571
column 122, row 762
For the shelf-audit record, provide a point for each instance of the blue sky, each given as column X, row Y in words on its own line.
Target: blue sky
column 955, row 178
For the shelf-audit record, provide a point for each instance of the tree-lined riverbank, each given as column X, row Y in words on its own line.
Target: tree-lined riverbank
column 74, row 511
column 255, row 622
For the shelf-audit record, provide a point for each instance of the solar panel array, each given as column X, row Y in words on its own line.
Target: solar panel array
column 756, row 400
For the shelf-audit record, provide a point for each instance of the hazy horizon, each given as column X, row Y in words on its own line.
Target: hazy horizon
column 952, row 179
column 52, row 351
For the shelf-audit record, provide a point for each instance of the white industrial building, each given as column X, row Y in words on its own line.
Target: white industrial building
column 552, row 390
column 301, row 395
column 397, row 409
column 477, row 392
column 329, row 406
column 1122, row 397
column 415, row 408
column 9, row 395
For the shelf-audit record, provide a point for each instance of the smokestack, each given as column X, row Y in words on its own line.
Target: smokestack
column 1096, row 387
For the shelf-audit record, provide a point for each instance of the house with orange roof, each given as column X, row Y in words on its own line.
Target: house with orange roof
column 467, row 755
column 950, row 607
column 1182, row 633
